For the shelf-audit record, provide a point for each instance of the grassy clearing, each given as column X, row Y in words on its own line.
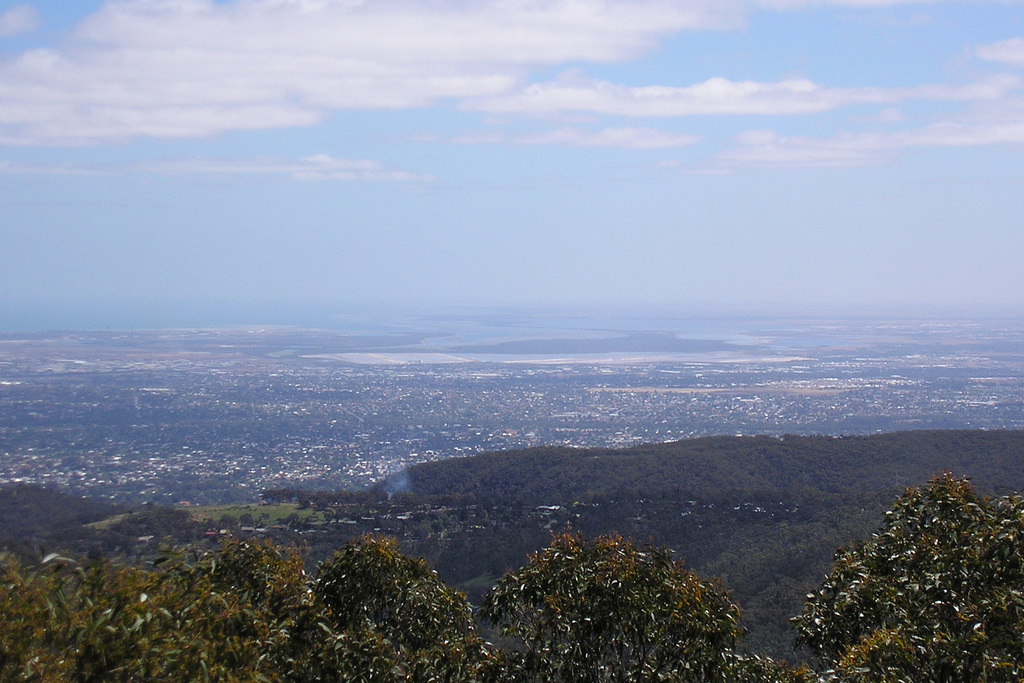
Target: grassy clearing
column 107, row 522
column 484, row 582
column 263, row 514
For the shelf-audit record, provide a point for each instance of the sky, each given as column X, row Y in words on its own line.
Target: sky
column 502, row 152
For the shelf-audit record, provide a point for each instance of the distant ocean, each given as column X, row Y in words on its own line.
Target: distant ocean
column 526, row 329
column 39, row 317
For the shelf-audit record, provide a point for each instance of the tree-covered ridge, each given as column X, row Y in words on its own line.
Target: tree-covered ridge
column 935, row 595
column 708, row 466
column 28, row 510
column 722, row 504
column 769, row 544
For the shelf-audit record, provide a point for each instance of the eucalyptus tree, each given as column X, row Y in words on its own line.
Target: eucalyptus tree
column 607, row 610
column 936, row 595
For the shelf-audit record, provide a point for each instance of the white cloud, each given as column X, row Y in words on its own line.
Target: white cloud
column 18, row 20
column 953, row 134
column 624, row 138
column 478, row 138
column 890, row 115
column 573, row 92
column 627, row 138
column 316, row 167
column 16, row 168
column 1007, row 51
column 188, row 68
column 762, row 149
column 799, row 4
column 176, row 68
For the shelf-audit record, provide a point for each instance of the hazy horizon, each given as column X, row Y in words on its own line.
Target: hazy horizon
column 374, row 316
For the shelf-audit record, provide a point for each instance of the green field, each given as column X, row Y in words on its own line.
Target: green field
column 260, row 514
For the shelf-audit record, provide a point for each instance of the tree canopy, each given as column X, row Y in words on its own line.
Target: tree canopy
column 606, row 610
column 937, row 594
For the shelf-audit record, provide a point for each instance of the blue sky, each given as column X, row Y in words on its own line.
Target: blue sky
column 670, row 152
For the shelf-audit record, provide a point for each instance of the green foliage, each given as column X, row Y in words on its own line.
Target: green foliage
column 816, row 493
column 24, row 625
column 186, row 620
column 267, row 585
column 763, row 514
column 936, row 595
column 759, row 669
column 586, row 610
column 395, row 618
column 101, row 622
column 605, row 610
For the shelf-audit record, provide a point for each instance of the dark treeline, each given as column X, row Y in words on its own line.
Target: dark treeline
column 934, row 595
column 763, row 515
column 27, row 511
column 853, row 464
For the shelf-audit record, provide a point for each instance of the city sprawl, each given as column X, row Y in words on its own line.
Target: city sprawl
column 218, row 415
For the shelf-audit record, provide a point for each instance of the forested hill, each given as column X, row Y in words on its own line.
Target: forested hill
column 994, row 460
column 763, row 515
column 28, row 510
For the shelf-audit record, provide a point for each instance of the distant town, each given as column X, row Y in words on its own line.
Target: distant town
column 216, row 416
